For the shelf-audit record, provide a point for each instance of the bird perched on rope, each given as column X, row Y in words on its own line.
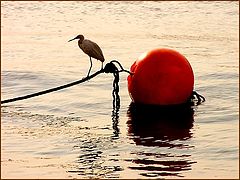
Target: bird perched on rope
column 90, row 48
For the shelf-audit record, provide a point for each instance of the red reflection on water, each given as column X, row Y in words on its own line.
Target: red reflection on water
column 161, row 126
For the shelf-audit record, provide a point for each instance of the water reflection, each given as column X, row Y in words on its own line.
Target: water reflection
column 89, row 159
column 90, row 162
column 115, row 120
column 168, row 128
column 116, row 106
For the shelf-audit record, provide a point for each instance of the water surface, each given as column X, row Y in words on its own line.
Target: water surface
column 76, row 133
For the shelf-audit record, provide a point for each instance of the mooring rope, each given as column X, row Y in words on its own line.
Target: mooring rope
column 109, row 68
column 195, row 96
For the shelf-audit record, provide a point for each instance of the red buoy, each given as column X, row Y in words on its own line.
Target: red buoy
column 161, row 77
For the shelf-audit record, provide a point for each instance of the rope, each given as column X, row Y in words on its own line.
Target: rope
column 197, row 98
column 109, row 68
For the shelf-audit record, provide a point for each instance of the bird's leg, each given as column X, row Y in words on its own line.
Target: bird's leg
column 102, row 65
column 90, row 67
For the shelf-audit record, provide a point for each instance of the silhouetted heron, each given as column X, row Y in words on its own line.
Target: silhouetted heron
column 90, row 48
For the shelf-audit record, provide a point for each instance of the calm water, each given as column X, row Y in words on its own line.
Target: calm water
column 75, row 133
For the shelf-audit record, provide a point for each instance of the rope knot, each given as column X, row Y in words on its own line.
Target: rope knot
column 110, row 68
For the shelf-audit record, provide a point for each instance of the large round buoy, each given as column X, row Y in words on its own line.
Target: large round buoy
column 161, row 77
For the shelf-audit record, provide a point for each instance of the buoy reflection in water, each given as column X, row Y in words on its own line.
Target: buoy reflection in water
column 168, row 128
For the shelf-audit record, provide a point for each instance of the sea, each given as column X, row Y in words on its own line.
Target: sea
column 77, row 132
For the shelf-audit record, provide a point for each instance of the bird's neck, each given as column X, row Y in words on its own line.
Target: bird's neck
column 80, row 41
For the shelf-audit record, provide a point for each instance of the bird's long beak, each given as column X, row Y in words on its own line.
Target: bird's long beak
column 71, row 39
